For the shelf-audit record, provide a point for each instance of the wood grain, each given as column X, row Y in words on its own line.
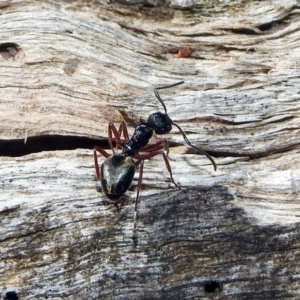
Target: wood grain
column 79, row 65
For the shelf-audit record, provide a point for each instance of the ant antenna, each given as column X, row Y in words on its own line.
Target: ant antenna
column 162, row 88
column 181, row 131
column 199, row 150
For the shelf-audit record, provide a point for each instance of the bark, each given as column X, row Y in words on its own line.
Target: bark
column 68, row 68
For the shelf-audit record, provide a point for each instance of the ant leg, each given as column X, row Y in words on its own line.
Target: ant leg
column 125, row 131
column 154, row 153
column 120, row 129
column 138, row 192
column 118, row 134
column 156, row 146
column 112, row 130
column 102, row 152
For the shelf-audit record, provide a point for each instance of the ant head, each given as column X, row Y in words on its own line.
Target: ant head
column 161, row 123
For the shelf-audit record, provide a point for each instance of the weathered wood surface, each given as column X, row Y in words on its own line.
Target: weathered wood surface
column 81, row 65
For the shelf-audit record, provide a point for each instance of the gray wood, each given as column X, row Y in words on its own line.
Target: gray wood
column 79, row 66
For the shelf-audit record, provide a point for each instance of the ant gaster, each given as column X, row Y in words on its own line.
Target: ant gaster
column 117, row 171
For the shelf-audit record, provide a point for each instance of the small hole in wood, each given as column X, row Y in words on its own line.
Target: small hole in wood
column 212, row 287
column 12, row 295
column 10, row 50
column 71, row 66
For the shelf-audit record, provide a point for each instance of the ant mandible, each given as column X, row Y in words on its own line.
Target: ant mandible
column 117, row 171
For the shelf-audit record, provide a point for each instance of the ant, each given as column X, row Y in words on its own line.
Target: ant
column 117, row 171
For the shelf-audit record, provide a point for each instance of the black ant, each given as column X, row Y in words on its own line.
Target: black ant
column 117, row 171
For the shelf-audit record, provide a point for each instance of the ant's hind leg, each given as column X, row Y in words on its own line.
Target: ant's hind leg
column 102, row 152
column 112, row 131
column 137, row 194
column 125, row 131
